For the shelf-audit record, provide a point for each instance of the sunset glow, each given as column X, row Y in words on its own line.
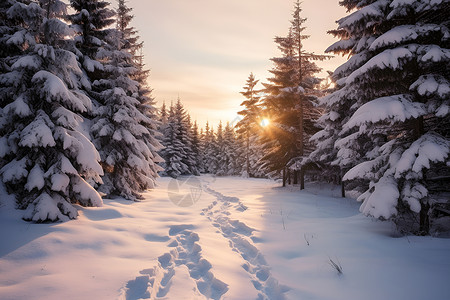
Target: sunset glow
column 206, row 57
column 265, row 122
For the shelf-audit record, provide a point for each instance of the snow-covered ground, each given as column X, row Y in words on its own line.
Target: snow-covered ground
column 241, row 239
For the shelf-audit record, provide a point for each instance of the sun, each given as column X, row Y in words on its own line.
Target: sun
column 265, row 122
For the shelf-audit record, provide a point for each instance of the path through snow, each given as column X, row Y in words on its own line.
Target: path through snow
column 185, row 259
column 186, row 255
column 239, row 236
column 244, row 239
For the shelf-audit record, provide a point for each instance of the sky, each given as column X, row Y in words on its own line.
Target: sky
column 204, row 50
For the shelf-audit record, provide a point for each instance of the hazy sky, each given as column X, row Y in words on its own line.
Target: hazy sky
column 204, row 50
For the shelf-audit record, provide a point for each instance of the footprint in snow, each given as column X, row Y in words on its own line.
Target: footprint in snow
column 242, row 242
column 156, row 283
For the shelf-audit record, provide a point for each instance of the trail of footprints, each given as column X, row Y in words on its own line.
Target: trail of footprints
column 241, row 241
column 155, row 283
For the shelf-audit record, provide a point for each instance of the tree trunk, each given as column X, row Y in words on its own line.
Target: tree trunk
column 424, row 219
column 289, row 177
column 342, row 184
column 302, row 178
column 295, row 176
column 284, row 177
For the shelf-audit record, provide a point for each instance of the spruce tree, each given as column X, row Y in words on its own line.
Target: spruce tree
column 123, row 131
column 128, row 35
column 218, row 151
column 390, row 109
column 197, row 149
column 291, row 99
column 124, row 124
column 174, row 151
column 227, row 151
column 185, row 136
column 248, row 126
column 47, row 158
column 210, row 150
column 91, row 21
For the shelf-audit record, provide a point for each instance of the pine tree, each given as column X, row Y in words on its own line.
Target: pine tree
column 47, row 159
column 125, row 126
column 129, row 42
column 185, row 136
column 395, row 90
column 123, row 131
column 8, row 27
column 226, row 154
column 290, row 100
column 196, row 149
column 209, row 147
column 91, row 21
column 251, row 117
column 128, row 35
column 217, row 152
column 174, row 151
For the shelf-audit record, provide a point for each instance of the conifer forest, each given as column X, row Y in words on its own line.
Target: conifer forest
column 319, row 164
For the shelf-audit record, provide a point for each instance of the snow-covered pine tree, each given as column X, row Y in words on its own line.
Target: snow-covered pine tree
column 8, row 50
column 91, row 21
column 163, row 115
column 192, row 154
column 47, row 158
column 209, row 147
column 219, row 150
column 185, row 136
column 173, row 152
column 227, row 151
column 238, row 159
column 248, row 126
column 196, row 148
column 122, row 131
column 280, row 144
column 290, row 100
column 396, row 89
column 256, row 155
column 130, row 43
column 129, row 39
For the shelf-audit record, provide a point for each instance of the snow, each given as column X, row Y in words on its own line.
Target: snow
column 35, row 179
column 242, row 239
column 395, row 36
column 67, row 167
column 397, row 3
column 60, row 182
column 14, row 170
column 412, row 195
column 428, row 148
column 428, row 85
column 382, row 202
column 38, row 133
column 88, row 194
column 92, row 65
column 397, row 108
column 18, row 107
column 65, row 117
column 390, row 58
column 435, row 53
column 86, row 154
column 55, row 89
column 372, row 11
column 28, row 62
